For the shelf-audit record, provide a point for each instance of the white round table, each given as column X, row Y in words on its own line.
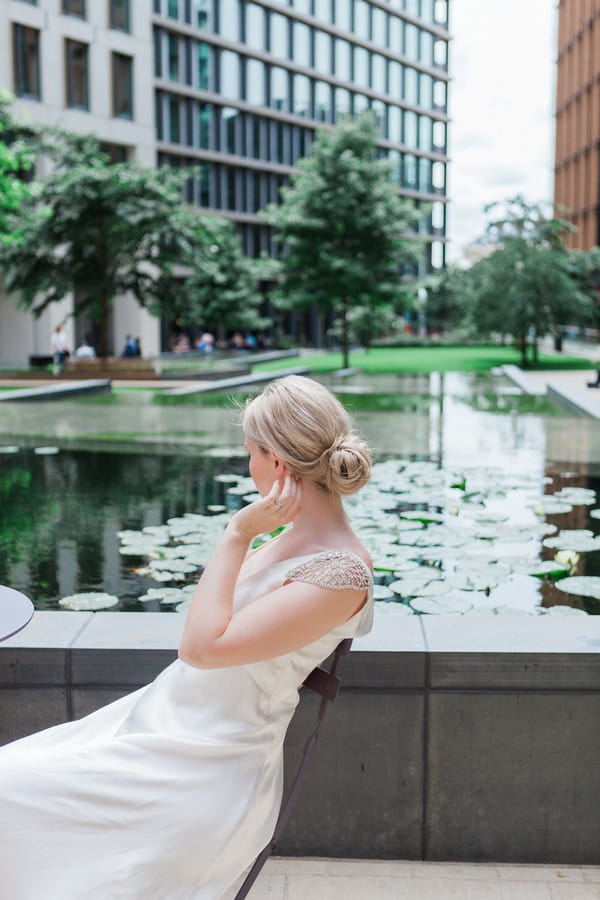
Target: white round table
column 16, row 611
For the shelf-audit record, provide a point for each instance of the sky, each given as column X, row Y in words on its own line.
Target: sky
column 501, row 106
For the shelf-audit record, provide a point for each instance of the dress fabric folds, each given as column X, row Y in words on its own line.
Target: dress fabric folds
column 168, row 793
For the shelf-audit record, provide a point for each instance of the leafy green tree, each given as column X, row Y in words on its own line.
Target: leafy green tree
column 97, row 230
column 221, row 293
column 342, row 227
column 16, row 160
column 447, row 299
column 524, row 287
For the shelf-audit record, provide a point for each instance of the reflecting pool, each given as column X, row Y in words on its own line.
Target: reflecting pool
column 481, row 500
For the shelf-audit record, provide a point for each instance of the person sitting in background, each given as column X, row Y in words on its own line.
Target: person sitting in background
column 130, row 348
column 85, row 350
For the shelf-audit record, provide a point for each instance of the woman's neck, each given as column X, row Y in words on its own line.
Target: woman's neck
column 321, row 515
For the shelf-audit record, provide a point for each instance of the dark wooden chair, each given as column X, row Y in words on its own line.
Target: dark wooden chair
column 327, row 685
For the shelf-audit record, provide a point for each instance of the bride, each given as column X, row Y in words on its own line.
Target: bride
column 170, row 792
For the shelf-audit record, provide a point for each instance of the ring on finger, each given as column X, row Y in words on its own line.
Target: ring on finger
column 278, row 504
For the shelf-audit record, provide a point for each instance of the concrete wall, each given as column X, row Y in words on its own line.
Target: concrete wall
column 454, row 737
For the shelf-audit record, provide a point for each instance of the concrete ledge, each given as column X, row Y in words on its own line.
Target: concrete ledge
column 521, row 379
column 58, row 391
column 239, row 381
column 575, row 399
column 454, row 738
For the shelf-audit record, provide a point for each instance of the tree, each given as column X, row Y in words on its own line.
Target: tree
column 342, row 226
column 524, row 287
column 222, row 290
column 447, row 298
column 16, row 161
column 96, row 230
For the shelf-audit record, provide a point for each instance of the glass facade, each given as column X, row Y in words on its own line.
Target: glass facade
column 264, row 77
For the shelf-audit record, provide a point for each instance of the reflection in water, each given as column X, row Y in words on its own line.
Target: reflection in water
column 59, row 515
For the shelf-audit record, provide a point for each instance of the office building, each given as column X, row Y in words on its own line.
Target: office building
column 577, row 157
column 237, row 88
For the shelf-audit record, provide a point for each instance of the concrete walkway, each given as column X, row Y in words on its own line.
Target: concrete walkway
column 325, row 879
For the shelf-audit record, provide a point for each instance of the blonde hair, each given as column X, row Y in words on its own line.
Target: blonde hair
column 303, row 424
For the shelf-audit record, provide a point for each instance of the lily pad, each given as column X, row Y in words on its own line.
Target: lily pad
column 438, row 606
column 46, row 451
column 581, row 585
column 89, row 601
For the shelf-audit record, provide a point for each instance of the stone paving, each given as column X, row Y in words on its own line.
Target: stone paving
column 325, row 879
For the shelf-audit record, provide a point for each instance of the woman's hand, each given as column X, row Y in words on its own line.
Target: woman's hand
column 277, row 508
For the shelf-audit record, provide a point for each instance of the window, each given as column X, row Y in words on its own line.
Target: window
column 378, row 107
column 255, row 82
column 255, row 27
column 394, row 129
column 427, row 7
column 280, row 91
column 229, row 19
column 439, row 94
column 279, row 142
column 441, row 12
column 122, row 86
column 76, row 57
column 411, row 86
column 409, row 171
column 26, row 56
column 439, row 136
column 230, row 139
column 425, row 132
column 438, row 176
column 173, row 9
column 427, row 48
column 343, row 14
column 438, row 216
column 229, row 77
column 74, row 8
column 202, row 14
column 342, row 102
column 117, row 153
column 342, row 59
column 205, row 125
column 410, row 129
column 360, row 104
column 378, row 73
column 173, row 54
column 395, row 79
column 301, row 37
column 361, row 66
column 413, row 7
column 322, row 101
column 323, row 10
column 204, row 66
column 174, row 132
column 426, row 90
column 302, row 95
column 302, row 6
column 322, row 51
column 425, row 175
column 440, row 54
column 204, row 186
column 119, row 15
column 379, row 26
column 278, row 40
column 361, row 19
column 395, row 38
column 411, row 41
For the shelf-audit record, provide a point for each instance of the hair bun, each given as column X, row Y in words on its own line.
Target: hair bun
column 348, row 465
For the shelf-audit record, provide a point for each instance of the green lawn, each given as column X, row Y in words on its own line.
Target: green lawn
column 386, row 360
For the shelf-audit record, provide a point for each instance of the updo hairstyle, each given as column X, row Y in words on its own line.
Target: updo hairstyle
column 302, row 423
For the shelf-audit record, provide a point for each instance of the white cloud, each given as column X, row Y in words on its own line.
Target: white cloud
column 501, row 135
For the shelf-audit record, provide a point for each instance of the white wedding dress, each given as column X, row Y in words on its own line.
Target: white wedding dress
column 170, row 792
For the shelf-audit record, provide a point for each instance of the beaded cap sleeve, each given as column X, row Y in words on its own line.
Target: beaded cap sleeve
column 336, row 569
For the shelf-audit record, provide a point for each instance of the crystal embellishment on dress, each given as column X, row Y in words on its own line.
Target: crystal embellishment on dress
column 336, row 569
